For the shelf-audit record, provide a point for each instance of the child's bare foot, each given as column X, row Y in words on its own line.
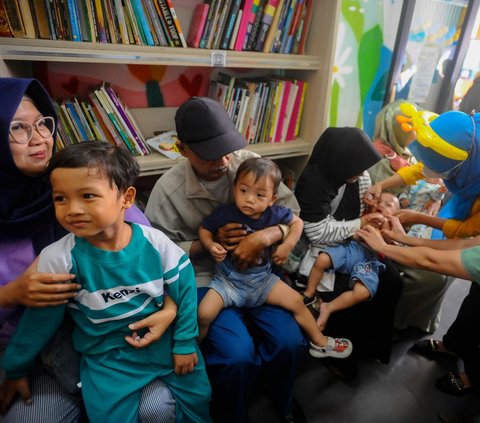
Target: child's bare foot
column 324, row 315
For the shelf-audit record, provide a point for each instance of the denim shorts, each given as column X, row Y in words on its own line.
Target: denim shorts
column 246, row 288
column 359, row 262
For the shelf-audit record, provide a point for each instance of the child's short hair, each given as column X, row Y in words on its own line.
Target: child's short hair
column 260, row 167
column 118, row 165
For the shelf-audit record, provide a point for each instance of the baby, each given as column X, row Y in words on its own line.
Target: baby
column 355, row 259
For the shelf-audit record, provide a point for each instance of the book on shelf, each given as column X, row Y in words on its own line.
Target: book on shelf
column 132, row 24
column 102, row 119
column 233, row 38
column 197, row 24
column 290, row 100
column 74, row 20
column 170, row 23
column 212, row 12
column 15, row 23
column 84, row 21
column 26, row 17
column 265, row 23
column 143, row 25
column 155, row 22
column 166, row 144
column 277, row 36
column 294, row 26
column 286, row 27
column 213, row 25
column 111, row 18
column 272, row 30
column 90, row 11
column 101, row 21
column 220, row 24
column 177, row 23
column 40, row 18
column 305, row 25
column 254, row 23
column 122, row 24
column 230, row 24
column 5, row 30
column 242, row 27
column 286, row 86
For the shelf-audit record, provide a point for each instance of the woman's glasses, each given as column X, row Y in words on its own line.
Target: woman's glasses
column 22, row 132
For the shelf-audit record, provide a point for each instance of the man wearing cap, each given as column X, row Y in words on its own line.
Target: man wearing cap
column 179, row 201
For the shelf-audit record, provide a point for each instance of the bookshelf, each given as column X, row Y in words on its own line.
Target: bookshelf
column 315, row 67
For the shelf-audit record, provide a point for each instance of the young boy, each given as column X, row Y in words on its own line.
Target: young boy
column 352, row 258
column 254, row 193
column 125, row 271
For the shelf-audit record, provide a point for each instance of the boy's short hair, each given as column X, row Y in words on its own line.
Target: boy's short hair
column 260, row 167
column 118, row 165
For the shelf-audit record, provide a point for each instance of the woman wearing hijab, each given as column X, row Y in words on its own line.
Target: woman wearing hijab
column 423, row 291
column 330, row 192
column 28, row 125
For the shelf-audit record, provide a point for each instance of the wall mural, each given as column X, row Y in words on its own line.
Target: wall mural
column 363, row 54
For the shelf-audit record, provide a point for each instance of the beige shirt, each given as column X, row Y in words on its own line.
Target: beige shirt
column 178, row 203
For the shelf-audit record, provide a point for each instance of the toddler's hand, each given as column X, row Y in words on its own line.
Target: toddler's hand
column 218, row 252
column 280, row 255
column 184, row 363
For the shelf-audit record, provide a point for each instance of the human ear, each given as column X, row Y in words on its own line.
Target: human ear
column 129, row 197
column 273, row 200
column 182, row 149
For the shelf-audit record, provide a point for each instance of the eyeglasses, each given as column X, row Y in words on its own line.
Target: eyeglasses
column 22, row 132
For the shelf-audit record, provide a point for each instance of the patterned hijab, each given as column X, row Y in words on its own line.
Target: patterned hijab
column 338, row 155
column 26, row 206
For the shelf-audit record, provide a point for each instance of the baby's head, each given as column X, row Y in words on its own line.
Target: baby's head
column 255, row 186
column 387, row 205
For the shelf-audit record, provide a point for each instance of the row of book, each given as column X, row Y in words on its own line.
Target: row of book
column 262, row 109
column 269, row 26
column 141, row 22
column 101, row 117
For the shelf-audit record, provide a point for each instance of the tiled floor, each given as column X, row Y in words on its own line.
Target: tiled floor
column 401, row 392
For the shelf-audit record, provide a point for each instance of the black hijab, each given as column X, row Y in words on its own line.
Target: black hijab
column 26, row 206
column 339, row 154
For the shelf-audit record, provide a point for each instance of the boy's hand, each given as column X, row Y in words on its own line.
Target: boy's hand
column 218, row 252
column 280, row 255
column 10, row 389
column 184, row 363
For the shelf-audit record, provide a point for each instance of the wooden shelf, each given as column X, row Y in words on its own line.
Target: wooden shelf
column 69, row 51
column 155, row 163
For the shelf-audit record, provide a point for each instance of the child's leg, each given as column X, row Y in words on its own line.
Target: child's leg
column 286, row 297
column 208, row 310
column 358, row 294
column 322, row 263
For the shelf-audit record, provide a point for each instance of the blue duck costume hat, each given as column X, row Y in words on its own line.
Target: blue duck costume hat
column 444, row 142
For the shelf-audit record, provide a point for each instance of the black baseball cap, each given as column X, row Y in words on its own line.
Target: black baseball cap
column 204, row 125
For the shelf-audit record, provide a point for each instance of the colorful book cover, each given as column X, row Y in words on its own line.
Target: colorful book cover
column 272, row 30
column 90, row 7
column 280, row 27
column 75, row 122
column 220, row 24
column 132, row 23
column 230, row 24
column 293, row 27
column 102, row 119
column 288, row 23
column 122, row 25
column 166, row 144
column 177, row 23
column 295, row 110
column 242, row 29
column 251, row 21
column 213, row 4
column 306, row 25
column 197, row 24
column 113, row 30
column 288, row 111
column 74, row 20
column 280, row 117
column 51, row 20
column 300, row 111
column 83, row 119
column 265, row 23
column 213, row 24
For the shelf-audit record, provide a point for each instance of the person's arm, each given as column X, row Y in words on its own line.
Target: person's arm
column 447, row 262
column 411, row 217
column 38, row 289
column 453, row 228
column 375, row 191
column 295, row 229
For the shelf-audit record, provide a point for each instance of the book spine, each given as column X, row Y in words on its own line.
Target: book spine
column 293, row 27
column 5, row 30
column 111, row 21
column 51, row 20
column 288, row 111
column 74, row 20
column 281, row 25
column 123, row 116
column 295, row 110
column 76, row 121
column 242, row 28
column 208, row 24
column 265, row 23
column 220, row 25
column 152, row 12
column 101, row 117
column 267, row 45
column 122, row 25
column 163, row 23
column 170, row 24
column 143, row 22
column 132, row 22
column 288, row 23
column 26, row 17
column 306, row 25
column 251, row 22
column 100, row 19
column 233, row 38
column 197, row 24
column 232, row 19
column 177, row 23
column 31, row 5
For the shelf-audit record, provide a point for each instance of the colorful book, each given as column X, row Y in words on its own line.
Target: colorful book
column 295, row 110
column 51, row 20
column 280, row 27
column 177, row 23
column 213, row 9
column 265, row 23
column 132, row 23
column 288, row 112
column 288, row 24
column 306, row 25
column 101, row 22
column 143, row 22
column 122, row 25
column 242, row 29
column 197, row 24
column 170, row 23
column 214, row 24
column 272, row 30
column 280, row 110
column 74, row 19
column 156, row 24
column 113, row 31
column 40, row 18
column 230, row 24
column 254, row 21
column 220, row 24
column 233, row 38
column 293, row 27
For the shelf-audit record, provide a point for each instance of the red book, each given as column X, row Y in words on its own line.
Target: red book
column 291, row 131
column 306, row 24
column 242, row 29
column 283, row 107
column 197, row 24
